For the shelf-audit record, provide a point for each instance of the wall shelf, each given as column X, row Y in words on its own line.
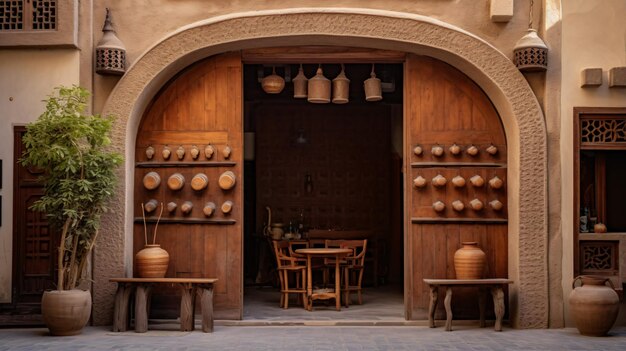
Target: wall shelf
column 457, row 164
column 187, row 221
column 458, row 220
column 184, row 164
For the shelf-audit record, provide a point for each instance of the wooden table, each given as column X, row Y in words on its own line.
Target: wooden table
column 337, row 254
column 497, row 292
column 143, row 287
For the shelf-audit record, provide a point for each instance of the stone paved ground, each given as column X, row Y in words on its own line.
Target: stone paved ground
column 315, row 338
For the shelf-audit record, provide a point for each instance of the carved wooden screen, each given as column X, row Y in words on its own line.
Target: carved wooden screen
column 197, row 117
column 34, row 243
column 446, row 112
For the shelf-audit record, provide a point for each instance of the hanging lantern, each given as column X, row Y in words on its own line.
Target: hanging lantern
column 530, row 52
column 273, row 84
column 110, row 51
column 300, row 85
column 319, row 88
column 341, row 88
column 373, row 89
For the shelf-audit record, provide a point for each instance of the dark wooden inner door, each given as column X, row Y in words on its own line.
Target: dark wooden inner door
column 34, row 243
column 200, row 107
column 444, row 107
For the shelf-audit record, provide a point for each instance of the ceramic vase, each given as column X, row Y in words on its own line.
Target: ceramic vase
column 469, row 261
column 152, row 262
column 594, row 305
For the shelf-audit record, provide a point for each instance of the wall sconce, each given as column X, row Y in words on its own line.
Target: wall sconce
column 110, row 51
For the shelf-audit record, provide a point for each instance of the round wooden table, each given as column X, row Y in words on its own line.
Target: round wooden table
column 335, row 253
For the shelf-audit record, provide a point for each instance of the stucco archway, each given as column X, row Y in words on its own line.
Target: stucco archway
column 520, row 112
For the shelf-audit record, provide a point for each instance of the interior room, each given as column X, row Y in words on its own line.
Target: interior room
column 323, row 169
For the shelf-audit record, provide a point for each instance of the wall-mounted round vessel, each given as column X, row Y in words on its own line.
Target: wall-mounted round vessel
column 458, row 205
column 419, row 182
column 186, row 207
column 227, row 180
column 496, row 205
column 477, row 181
column 458, row 181
column 418, row 151
column 492, row 150
column 194, row 152
column 476, row 205
column 166, row 152
column 171, row 206
column 199, row 181
column 437, row 151
column 496, row 182
column 151, row 180
column 455, row 149
column 439, row 206
column 176, row 181
column 472, row 150
column 150, row 152
column 439, row 180
column 209, row 150
column 209, row 209
column 227, row 207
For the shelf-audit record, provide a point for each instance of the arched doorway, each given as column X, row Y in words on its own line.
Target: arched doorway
column 492, row 71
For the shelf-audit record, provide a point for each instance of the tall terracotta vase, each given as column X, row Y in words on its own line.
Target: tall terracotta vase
column 469, row 261
column 152, row 262
column 594, row 305
column 65, row 312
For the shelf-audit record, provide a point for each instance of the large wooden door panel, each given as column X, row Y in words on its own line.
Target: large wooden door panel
column 200, row 107
column 443, row 107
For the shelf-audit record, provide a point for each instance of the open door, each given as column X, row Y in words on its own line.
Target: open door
column 198, row 111
column 443, row 107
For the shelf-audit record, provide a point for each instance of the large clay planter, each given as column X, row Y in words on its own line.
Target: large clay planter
column 152, row 262
column 594, row 305
column 469, row 261
column 66, row 312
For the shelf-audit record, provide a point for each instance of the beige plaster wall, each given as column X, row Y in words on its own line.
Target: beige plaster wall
column 141, row 24
column 25, row 83
column 593, row 36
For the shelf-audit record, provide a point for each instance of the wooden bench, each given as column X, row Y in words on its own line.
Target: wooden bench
column 497, row 292
column 143, row 287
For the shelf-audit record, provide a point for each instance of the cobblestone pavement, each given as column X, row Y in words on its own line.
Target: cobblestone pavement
column 315, row 338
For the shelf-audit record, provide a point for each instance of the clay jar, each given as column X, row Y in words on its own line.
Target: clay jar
column 594, row 305
column 152, row 262
column 469, row 261
column 418, row 150
column 419, row 182
column 439, row 180
column 66, row 312
column 599, row 228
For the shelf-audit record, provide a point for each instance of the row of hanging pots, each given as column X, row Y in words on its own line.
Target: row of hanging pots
column 318, row 89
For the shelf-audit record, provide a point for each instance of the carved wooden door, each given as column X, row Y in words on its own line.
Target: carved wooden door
column 189, row 156
column 447, row 113
column 34, row 243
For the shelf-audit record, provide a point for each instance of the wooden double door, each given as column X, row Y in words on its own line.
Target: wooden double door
column 203, row 107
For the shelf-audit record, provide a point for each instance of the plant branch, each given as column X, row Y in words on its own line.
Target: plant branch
column 157, row 225
column 61, row 266
column 72, row 274
column 145, row 228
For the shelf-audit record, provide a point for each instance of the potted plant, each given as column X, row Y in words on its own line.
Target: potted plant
column 78, row 174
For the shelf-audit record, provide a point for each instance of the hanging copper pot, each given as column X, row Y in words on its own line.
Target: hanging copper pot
column 341, row 88
column 373, row 89
column 319, row 88
column 300, row 83
column 273, row 84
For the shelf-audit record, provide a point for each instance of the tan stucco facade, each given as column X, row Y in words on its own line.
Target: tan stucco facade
column 25, row 83
column 163, row 37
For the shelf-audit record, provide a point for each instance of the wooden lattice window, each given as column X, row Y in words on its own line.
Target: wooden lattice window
column 20, row 15
column 44, row 15
column 603, row 130
column 599, row 257
column 11, row 14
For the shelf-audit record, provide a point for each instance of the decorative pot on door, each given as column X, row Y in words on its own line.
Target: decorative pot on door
column 469, row 261
column 66, row 312
column 152, row 262
column 594, row 305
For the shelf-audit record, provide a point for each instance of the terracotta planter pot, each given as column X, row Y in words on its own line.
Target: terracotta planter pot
column 66, row 312
column 469, row 261
column 152, row 262
column 594, row 305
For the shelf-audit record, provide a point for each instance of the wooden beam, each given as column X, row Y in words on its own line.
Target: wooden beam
column 320, row 54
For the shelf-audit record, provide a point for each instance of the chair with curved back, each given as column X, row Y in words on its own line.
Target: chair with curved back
column 287, row 266
column 353, row 269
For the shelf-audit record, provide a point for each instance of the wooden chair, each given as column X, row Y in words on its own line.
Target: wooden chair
column 353, row 269
column 287, row 266
column 329, row 263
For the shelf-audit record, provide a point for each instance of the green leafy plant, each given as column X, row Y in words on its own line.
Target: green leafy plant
column 71, row 149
